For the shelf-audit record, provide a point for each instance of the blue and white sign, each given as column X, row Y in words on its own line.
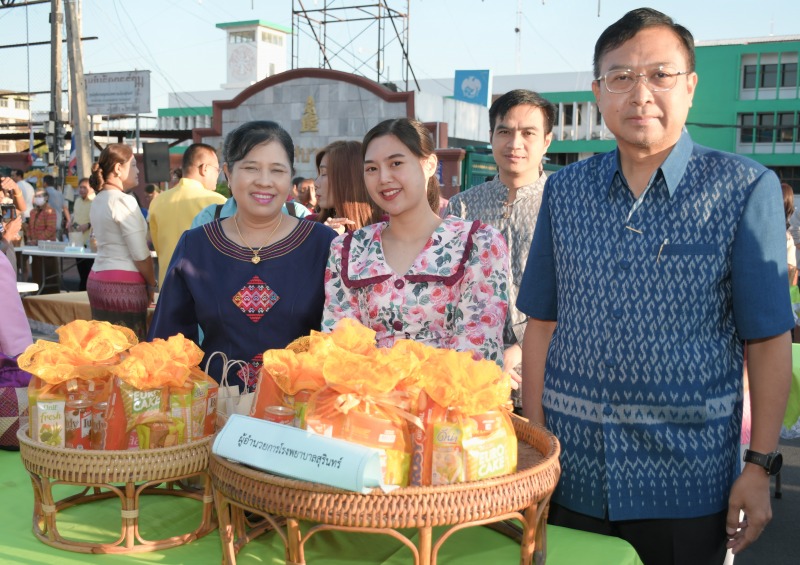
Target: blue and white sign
column 473, row 86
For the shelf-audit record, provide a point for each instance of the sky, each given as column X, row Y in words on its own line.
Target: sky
column 178, row 42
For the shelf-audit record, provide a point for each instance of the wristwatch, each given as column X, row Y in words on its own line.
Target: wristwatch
column 771, row 462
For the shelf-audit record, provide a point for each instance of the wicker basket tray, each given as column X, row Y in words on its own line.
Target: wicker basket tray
column 523, row 495
column 124, row 474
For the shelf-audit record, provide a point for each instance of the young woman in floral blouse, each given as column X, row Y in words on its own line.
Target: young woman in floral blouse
column 442, row 282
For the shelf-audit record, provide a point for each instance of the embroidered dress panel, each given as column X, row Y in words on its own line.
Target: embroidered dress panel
column 244, row 308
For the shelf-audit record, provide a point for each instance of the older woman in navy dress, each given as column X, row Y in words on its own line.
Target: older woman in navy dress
column 254, row 281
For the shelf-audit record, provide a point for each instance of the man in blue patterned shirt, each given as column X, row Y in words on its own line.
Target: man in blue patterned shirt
column 650, row 268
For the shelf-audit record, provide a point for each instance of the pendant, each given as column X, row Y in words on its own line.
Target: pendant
column 255, row 260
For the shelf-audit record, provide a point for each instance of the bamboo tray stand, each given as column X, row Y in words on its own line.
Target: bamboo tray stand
column 284, row 502
column 124, row 474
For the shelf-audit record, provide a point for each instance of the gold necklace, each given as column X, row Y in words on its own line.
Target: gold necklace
column 255, row 259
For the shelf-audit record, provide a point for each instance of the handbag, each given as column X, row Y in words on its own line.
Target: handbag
column 13, row 401
column 230, row 400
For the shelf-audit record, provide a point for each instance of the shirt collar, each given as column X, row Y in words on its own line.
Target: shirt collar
column 672, row 168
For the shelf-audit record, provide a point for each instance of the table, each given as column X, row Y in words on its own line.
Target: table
column 27, row 287
column 422, row 523
column 34, row 251
column 176, row 515
column 83, row 253
column 60, row 309
column 126, row 477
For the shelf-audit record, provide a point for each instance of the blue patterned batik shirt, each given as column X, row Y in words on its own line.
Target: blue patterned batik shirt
column 643, row 379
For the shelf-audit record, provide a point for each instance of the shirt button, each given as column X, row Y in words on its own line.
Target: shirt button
column 617, row 313
column 607, row 411
column 610, row 362
column 397, row 325
column 624, row 265
column 399, row 283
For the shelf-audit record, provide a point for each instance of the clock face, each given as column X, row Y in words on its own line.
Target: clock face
column 242, row 62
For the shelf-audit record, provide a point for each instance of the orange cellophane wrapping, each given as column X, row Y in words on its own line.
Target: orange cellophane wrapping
column 159, row 363
column 83, row 346
column 370, row 421
column 467, row 435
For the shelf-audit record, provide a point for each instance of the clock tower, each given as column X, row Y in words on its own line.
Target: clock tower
column 255, row 50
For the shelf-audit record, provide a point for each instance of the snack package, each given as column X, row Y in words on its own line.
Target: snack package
column 180, row 408
column 367, row 421
column 49, row 423
column 141, row 407
column 205, row 392
column 159, row 430
column 460, row 448
column 467, row 435
column 492, row 449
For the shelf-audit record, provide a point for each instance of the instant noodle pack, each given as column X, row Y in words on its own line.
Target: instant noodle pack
column 98, row 388
column 438, row 416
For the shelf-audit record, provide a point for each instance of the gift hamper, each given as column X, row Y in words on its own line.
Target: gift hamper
column 451, row 454
column 118, row 420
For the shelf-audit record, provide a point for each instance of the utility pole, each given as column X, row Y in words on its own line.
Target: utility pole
column 56, row 20
column 80, row 119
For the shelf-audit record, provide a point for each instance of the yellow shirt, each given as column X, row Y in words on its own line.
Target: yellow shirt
column 80, row 216
column 171, row 214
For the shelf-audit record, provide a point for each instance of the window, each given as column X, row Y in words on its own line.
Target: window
column 241, row 36
column 769, row 76
column 749, row 76
column 568, row 114
column 3, row 102
column 786, row 127
column 789, row 74
column 765, row 133
column 21, row 104
column 746, row 132
column 267, row 37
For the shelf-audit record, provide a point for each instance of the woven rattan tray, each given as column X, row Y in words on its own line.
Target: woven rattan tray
column 124, row 474
column 523, row 496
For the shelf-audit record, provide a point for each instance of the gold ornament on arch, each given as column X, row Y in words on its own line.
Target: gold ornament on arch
column 310, row 121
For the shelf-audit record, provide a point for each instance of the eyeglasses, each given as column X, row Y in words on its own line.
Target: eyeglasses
column 660, row 79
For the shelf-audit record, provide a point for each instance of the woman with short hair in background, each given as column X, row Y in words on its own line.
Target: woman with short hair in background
column 122, row 281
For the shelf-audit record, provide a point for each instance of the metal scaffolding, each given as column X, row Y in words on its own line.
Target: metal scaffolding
column 333, row 36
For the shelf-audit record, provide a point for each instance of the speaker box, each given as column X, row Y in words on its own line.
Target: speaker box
column 156, row 162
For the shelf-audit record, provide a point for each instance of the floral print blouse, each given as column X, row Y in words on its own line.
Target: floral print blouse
column 454, row 296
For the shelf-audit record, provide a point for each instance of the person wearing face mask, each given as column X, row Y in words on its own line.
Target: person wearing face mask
column 122, row 281
column 42, row 226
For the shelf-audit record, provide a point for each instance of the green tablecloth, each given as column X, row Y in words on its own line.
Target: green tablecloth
column 163, row 516
column 791, row 419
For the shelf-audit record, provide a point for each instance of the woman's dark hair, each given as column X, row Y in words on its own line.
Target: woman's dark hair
column 788, row 201
column 113, row 154
column 632, row 23
column 346, row 187
column 417, row 138
column 241, row 141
